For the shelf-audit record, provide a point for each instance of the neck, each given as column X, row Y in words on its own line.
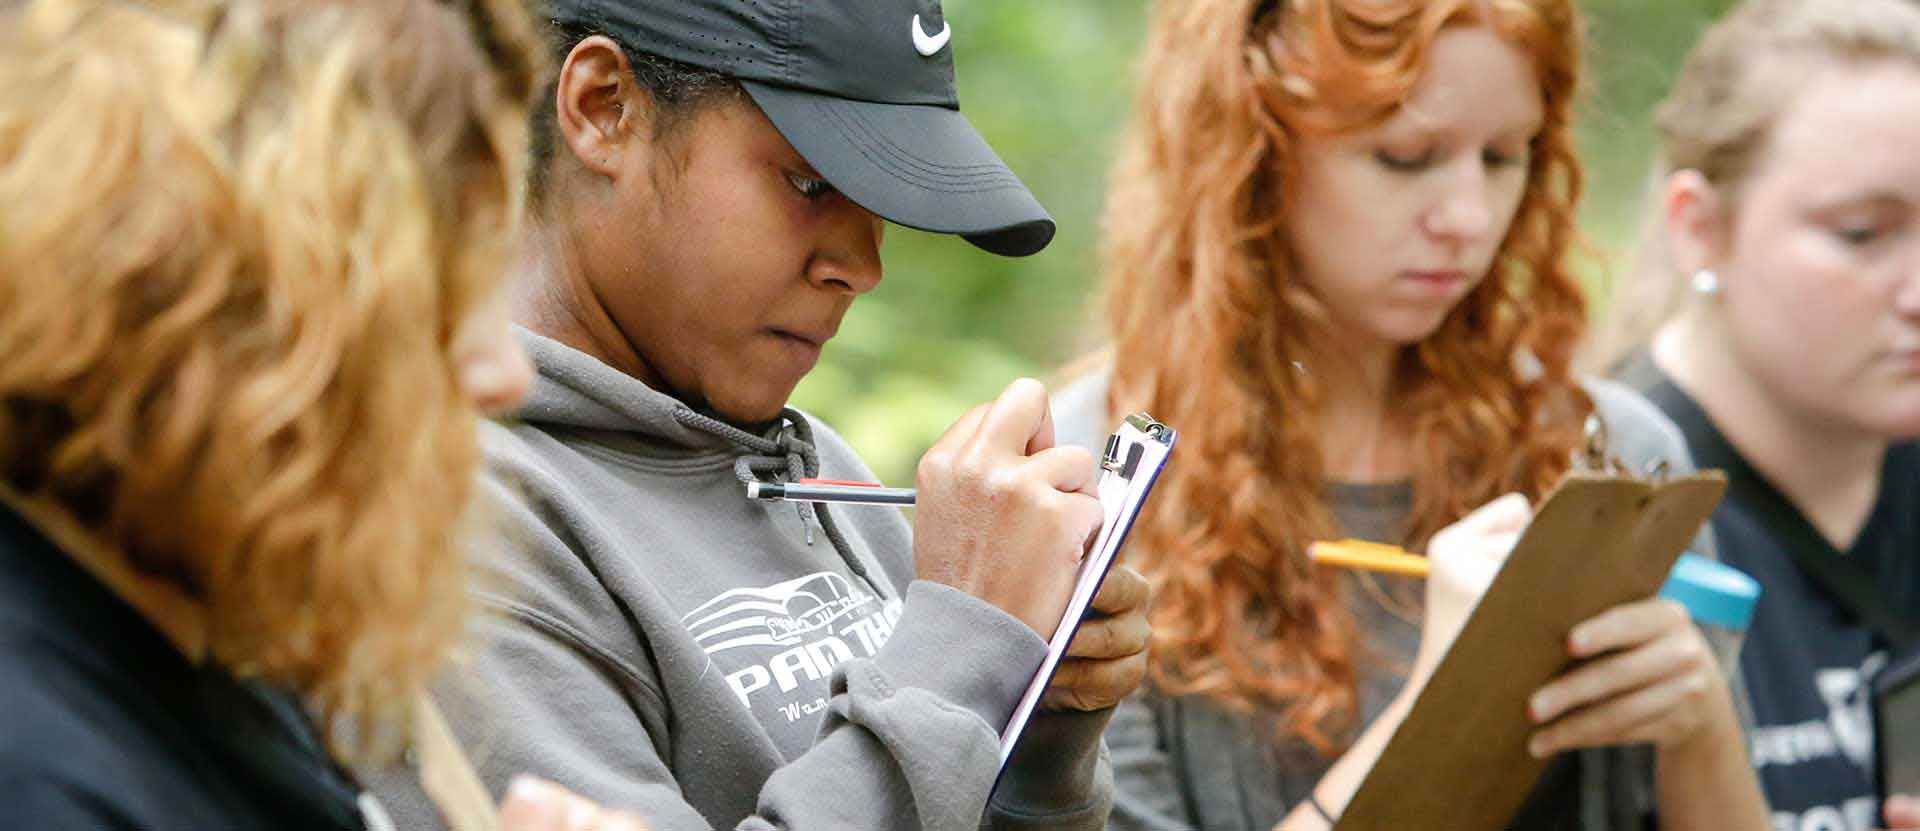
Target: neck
column 1360, row 439
column 1829, row 471
column 552, row 295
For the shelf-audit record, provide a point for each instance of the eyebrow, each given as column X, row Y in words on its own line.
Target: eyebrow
column 1424, row 131
column 1877, row 197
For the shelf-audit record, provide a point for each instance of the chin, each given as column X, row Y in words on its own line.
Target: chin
column 1899, row 421
column 1406, row 332
column 756, row 406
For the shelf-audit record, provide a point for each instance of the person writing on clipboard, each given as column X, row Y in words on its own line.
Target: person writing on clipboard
column 1338, row 262
column 712, row 180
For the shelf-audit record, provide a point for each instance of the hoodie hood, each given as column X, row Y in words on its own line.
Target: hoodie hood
column 574, row 389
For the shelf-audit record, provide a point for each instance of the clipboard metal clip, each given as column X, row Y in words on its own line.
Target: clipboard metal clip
column 1595, row 456
column 1110, row 458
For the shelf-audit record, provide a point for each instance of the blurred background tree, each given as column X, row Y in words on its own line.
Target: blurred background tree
column 1049, row 82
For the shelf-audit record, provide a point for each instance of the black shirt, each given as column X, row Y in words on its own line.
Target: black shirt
column 1807, row 660
column 105, row 724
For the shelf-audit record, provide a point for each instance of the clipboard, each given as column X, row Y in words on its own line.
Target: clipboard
column 1130, row 465
column 1603, row 537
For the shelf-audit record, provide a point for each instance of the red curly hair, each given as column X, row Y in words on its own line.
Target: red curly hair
column 1208, row 319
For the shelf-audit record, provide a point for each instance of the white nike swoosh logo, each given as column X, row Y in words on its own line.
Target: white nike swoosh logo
column 927, row 44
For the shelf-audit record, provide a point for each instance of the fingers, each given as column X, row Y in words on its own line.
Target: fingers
column 1903, row 812
column 1507, row 514
column 1123, row 591
column 1014, row 421
column 963, row 428
column 538, row 805
column 1083, row 517
column 1483, row 538
column 1043, row 438
column 1086, row 684
column 1673, row 655
column 1111, row 637
column 1626, row 626
column 1068, row 469
column 1658, row 714
column 1479, row 564
column 1658, row 686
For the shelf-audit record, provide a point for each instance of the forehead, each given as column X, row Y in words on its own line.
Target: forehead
column 1851, row 126
column 1473, row 79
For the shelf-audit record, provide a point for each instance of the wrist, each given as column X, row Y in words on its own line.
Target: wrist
column 1717, row 737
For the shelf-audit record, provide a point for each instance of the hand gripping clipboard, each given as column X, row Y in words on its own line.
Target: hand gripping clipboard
column 1603, row 537
column 1134, row 456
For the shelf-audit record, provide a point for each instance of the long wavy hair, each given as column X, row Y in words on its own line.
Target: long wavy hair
column 236, row 240
column 1209, row 319
column 1738, row 80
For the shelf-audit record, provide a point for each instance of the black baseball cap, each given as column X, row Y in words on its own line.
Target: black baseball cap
column 862, row 88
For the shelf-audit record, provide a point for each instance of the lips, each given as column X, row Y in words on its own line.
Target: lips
column 800, row 347
column 1907, row 360
column 1439, row 281
column 1446, row 277
column 815, row 337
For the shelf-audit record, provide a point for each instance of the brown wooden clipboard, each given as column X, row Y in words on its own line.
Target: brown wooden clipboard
column 1460, row 759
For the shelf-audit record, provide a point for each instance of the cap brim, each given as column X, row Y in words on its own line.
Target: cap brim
column 921, row 166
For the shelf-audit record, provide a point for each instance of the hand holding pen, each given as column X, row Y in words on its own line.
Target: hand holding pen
column 1002, row 513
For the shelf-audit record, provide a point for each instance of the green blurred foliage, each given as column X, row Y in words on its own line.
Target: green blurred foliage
column 1049, row 82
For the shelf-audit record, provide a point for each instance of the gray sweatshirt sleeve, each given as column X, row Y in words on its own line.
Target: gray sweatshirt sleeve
column 1146, row 786
column 1059, row 776
column 910, row 740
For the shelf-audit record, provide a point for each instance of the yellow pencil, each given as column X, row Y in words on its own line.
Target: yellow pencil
column 1371, row 556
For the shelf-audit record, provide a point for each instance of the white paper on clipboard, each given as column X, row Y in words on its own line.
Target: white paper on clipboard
column 1131, row 464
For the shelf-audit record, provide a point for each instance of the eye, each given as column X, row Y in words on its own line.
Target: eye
column 1404, row 164
column 809, row 187
column 1497, row 159
column 1857, row 236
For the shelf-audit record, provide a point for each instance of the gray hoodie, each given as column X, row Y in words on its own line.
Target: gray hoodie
column 659, row 643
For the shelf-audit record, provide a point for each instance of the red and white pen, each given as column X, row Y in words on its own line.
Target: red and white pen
column 830, row 490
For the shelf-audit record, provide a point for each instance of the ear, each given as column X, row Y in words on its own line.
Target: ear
column 1698, row 223
column 593, row 102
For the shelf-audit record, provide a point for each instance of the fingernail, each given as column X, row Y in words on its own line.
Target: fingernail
column 1538, row 747
column 1577, row 641
column 1539, row 706
column 524, row 787
column 622, row 822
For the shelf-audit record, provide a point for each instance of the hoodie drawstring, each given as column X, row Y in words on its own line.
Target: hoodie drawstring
column 793, row 456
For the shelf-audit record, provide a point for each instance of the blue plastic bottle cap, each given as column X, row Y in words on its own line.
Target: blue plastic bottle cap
column 1713, row 592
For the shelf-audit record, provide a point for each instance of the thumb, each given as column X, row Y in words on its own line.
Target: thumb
column 1508, row 514
column 1902, row 812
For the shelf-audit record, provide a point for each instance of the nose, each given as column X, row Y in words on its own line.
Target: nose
column 848, row 259
column 491, row 369
column 498, row 378
column 1462, row 214
column 1906, row 296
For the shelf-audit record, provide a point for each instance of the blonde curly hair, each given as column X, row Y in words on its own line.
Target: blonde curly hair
column 236, row 240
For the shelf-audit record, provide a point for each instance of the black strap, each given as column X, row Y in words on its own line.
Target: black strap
column 1849, row 583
